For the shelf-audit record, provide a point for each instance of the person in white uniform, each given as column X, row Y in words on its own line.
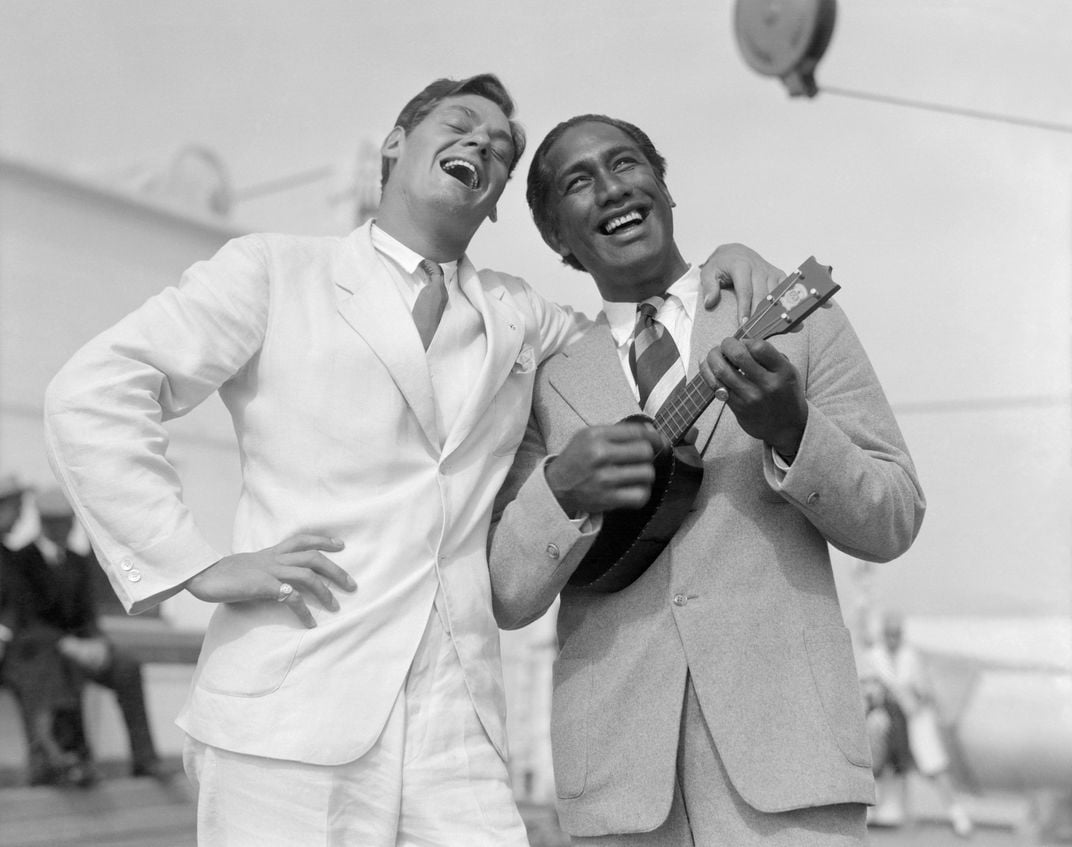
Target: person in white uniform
column 349, row 687
column 914, row 735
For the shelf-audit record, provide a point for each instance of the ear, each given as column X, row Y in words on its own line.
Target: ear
column 551, row 239
column 669, row 196
column 393, row 144
column 493, row 215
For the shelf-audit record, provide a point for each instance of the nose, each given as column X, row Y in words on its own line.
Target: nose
column 610, row 188
column 480, row 140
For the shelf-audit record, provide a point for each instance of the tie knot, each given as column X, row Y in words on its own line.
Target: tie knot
column 648, row 309
column 433, row 271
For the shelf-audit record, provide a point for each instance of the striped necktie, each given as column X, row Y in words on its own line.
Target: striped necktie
column 431, row 301
column 654, row 359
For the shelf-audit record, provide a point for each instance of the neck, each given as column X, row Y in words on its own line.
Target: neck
column 638, row 283
column 435, row 236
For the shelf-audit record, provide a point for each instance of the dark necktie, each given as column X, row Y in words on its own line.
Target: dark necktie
column 653, row 358
column 431, row 301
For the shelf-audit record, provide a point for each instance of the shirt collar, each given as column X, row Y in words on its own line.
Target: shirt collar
column 684, row 293
column 406, row 259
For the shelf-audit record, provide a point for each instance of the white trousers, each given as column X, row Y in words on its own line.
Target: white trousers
column 433, row 779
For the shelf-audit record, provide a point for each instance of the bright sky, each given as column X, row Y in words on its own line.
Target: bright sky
column 950, row 236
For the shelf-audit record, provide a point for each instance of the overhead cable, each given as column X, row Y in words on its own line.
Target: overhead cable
column 951, row 110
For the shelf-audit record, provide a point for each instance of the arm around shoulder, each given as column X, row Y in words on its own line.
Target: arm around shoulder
column 556, row 326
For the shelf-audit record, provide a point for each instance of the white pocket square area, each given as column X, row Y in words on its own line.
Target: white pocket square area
column 526, row 361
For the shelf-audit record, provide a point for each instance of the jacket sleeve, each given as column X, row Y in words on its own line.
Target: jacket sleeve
column 852, row 477
column 534, row 547
column 105, row 410
column 558, row 326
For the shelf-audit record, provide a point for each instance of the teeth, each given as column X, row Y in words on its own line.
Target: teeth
column 620, row 221
column 462, row 171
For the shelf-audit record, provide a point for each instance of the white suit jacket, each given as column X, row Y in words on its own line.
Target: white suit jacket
column 317, row 359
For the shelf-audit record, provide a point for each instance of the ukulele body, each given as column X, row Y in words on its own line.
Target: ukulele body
column 620, row 553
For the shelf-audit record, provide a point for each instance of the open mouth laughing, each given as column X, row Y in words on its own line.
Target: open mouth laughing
column 624, row 222
column 462, row 171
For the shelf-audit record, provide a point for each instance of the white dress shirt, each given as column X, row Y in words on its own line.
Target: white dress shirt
column 678, row 314
column 459, row 346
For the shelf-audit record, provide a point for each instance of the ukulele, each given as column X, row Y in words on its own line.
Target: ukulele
column 631, row 539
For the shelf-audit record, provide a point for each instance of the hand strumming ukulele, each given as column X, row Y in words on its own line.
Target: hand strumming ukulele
column 631, row 539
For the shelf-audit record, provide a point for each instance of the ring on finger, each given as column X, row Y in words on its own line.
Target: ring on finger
column 285, row 590
column 721, row 394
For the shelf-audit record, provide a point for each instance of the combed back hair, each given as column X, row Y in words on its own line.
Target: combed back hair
column 487, row 86
column 540, row 190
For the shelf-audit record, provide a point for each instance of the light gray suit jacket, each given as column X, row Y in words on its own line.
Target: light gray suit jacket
column 743, row 599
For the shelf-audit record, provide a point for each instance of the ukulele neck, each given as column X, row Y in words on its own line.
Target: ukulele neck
column 786, row 307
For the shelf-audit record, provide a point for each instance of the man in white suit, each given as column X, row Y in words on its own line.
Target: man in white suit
column 374, row 431
column 714, row 700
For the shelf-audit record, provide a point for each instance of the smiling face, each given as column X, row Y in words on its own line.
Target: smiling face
column 611, row 212
column 447, row 175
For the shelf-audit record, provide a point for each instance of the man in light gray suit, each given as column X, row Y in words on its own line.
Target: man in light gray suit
column 714, row 700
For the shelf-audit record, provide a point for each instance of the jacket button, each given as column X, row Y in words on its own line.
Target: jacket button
column 813, row 498
column 680, row 600
column 134, row 575
column 126, row 564
column 552, row 551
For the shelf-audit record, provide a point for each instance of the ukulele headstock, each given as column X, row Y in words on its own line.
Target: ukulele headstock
column 791, row 301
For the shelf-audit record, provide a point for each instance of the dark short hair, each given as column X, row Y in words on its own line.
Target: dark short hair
column 541, row 180
column 488, row 86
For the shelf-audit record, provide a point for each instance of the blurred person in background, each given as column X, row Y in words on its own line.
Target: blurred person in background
column 877, row 719
column 913, row 739
column 44, row 686
column 57, row 615
column 11, row 494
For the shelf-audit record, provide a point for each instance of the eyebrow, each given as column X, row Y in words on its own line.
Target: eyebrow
column 469, row 113
column 585, row 161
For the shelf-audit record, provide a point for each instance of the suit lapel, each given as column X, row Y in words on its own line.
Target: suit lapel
column 369, row 302
column 581, row 375
column 504, row 330
column 589, row 377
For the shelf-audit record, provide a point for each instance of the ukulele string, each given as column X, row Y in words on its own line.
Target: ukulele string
column 676, row 417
